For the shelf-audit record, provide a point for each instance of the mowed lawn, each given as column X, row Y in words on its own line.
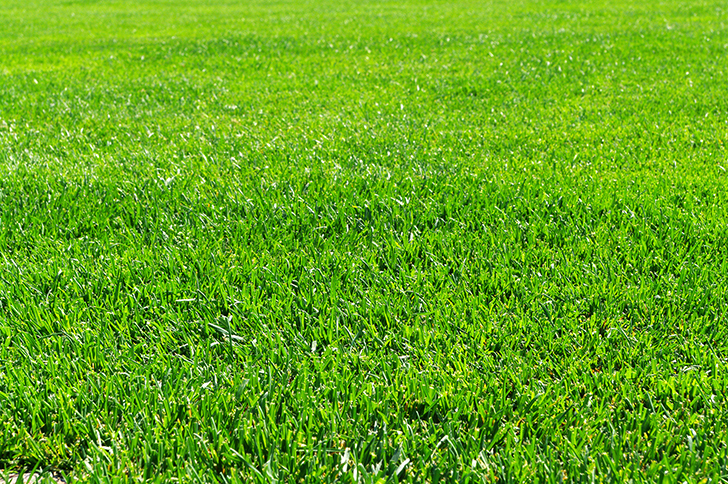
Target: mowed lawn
column 371, row 241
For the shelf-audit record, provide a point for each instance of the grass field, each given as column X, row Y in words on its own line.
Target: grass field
column 372, row 241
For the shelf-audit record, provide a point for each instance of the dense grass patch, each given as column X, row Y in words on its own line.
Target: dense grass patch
column 378, row 241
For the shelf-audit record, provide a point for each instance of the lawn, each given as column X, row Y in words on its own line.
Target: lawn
column 372, row 241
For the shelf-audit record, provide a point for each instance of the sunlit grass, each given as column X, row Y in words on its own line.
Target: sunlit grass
column 319, row 241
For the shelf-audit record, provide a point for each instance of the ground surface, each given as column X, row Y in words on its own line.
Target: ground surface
column 358, row 241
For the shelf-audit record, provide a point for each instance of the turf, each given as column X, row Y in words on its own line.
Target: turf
column 373, row 241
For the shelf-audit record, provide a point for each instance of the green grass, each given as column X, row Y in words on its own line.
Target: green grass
column 364, row 242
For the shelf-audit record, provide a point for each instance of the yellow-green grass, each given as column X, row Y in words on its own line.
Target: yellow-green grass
column 366, row 241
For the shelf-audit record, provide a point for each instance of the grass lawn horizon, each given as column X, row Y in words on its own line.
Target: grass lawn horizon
column 416, row 241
